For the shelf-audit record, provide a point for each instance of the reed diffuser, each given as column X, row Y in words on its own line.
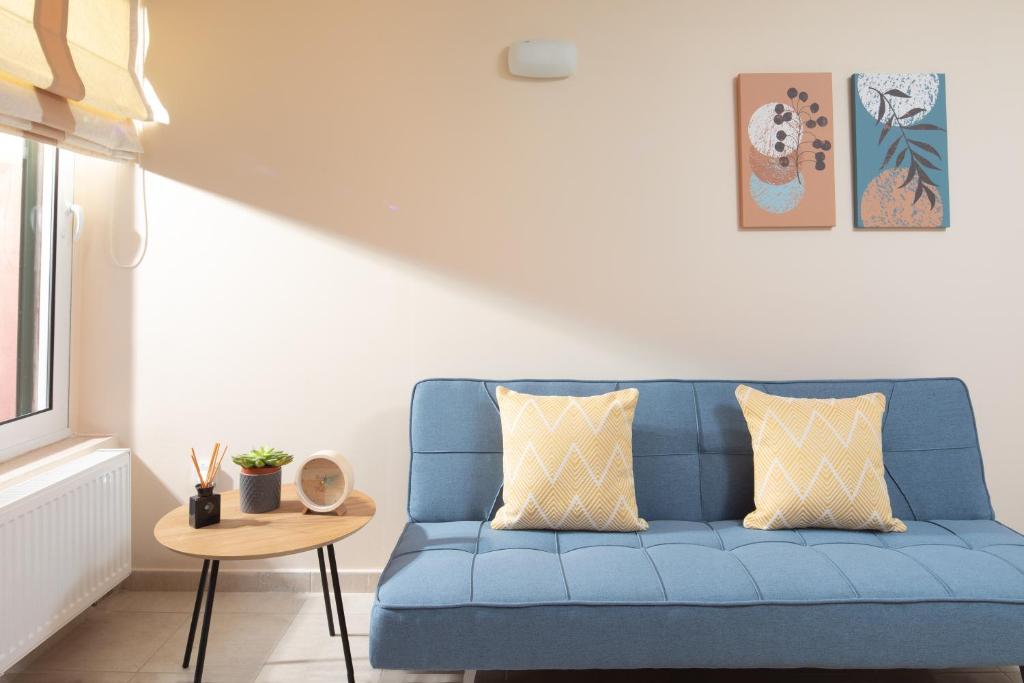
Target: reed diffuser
column 204, row 507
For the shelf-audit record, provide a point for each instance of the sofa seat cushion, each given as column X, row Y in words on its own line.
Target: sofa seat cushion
column 693, row 594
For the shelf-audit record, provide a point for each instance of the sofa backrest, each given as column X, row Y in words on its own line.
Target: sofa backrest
column 691, row 448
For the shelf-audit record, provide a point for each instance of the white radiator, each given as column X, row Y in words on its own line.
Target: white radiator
column 65, row 541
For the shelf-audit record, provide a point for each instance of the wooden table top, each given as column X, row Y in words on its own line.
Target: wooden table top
column 284, row 531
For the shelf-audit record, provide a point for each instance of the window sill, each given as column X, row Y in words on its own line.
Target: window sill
column 39, row 460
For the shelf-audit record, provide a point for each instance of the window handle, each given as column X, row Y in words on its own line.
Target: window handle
column 77, row 220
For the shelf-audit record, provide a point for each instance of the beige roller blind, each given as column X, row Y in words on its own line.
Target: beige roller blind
column 68, row 73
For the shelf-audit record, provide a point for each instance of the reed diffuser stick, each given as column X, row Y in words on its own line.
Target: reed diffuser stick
column 195, row 464
column 220, row 458
column 209, row 465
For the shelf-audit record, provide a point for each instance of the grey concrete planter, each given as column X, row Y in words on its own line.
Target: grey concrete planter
column 260, row 489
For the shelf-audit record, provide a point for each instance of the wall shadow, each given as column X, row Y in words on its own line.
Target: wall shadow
column 397, row 130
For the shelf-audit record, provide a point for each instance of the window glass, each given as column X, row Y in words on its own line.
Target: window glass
column 27, row 257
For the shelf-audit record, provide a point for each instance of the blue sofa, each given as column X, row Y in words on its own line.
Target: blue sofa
column 698, row 589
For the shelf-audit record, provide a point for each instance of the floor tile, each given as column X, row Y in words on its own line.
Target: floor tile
column 186, row 676
column 425, row 677
column 308, row 654
column 68, row 677
column 225, row 602
column 238, row 645
column 357, row 610
column 109, row 641
column 148, row 601
column 295, row 582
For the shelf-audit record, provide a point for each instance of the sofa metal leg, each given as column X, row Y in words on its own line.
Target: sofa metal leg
column 469, row 676
column 1021, row 672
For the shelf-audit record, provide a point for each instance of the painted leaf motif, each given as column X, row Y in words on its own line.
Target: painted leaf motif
column 899, row 158
column 924, row 176
column 924, row 126
column 926, row 147
column 892, row 150
column 896, row 93
column 885, row 129
column 910, row 175
column 919, row 192
column 912, row 112
column 931, row 196
column 881, row 110
column 924, row 162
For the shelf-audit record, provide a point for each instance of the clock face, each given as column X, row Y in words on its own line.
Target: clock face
column 322, row 481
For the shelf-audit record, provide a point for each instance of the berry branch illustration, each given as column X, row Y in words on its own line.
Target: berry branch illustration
column 918, row 161
column 800, row 127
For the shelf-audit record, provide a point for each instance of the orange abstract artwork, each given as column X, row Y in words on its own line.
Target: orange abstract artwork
column 787, row 176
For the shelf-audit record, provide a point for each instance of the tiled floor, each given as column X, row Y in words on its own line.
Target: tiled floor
column 139, row 636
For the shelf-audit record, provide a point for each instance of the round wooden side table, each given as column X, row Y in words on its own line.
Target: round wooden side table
column 287, row 530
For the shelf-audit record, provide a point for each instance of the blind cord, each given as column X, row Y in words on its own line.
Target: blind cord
column 143, row 234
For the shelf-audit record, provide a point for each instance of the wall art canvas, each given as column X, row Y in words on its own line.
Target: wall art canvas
column 786, row 146
column 901, row 153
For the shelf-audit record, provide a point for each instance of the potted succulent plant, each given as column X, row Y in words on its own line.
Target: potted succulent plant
column 260, row 486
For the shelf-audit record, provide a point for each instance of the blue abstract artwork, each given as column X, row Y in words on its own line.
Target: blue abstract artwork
column 901, row 152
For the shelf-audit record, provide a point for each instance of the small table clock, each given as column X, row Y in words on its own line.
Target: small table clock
column 324, row 480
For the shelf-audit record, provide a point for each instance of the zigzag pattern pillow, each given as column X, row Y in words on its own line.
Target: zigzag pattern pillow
column 817, row 462
column 568, row 462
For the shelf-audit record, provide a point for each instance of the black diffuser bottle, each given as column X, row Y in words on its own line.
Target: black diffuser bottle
column 204, row 507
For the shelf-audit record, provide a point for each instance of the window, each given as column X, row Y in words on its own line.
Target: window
column 35, row 294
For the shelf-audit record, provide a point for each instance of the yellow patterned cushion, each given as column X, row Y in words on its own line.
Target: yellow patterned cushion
column 817, row 462
column 568, row 462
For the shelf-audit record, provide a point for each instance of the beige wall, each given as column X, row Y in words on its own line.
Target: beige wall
column 356, row 196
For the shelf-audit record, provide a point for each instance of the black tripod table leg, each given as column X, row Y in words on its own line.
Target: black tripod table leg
column 341, row 615
column 327, row 592
column 195, row 615
column 205, row 633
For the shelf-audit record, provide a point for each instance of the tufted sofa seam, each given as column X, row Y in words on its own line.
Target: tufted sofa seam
column 814, row 548
column 698, row 545
column 700, row 448
column 387, row 565
column 653, row 566
column 644, row 547
column 466, row 452
column 1001, row 558
column 967, row 543
column 561, row 566
column 922, row 565
column 1015, row 532
column 753, row 581
column 425, row 451
column 435, row 550
column 483, row 385
column 472, row 564
column 760, row 602
column 744, row 545
column 963, row 540
column 721, row 542
column 885, row 466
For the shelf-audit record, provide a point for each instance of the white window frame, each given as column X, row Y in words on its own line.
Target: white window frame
column 50, row 425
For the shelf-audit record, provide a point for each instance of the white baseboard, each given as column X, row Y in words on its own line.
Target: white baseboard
column 289, row 580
